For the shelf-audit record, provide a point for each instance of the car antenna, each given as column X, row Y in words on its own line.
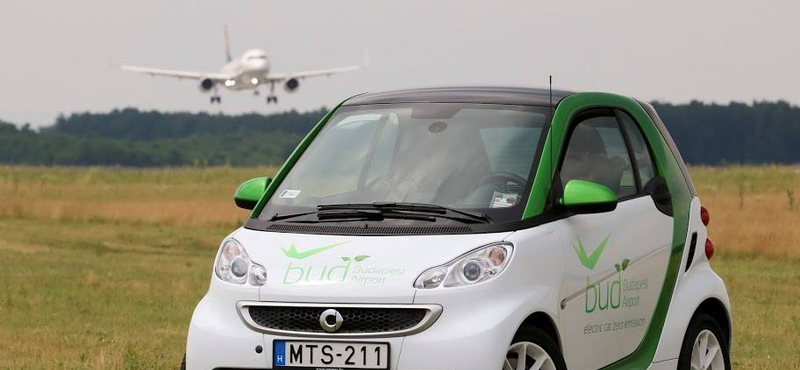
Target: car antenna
column 551, row 95
column 551, row 124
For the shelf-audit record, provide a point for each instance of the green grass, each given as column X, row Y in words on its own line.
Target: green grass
column 98, row 295
column 765, row 296
column 89, row 283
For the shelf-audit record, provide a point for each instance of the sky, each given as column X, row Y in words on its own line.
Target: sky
column 60, row 57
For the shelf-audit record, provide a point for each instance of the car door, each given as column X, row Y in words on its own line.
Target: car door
column 615, row 262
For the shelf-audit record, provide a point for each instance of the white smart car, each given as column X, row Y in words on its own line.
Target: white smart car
column 470, row 228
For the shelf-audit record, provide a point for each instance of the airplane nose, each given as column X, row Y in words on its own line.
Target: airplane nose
column 261, row 64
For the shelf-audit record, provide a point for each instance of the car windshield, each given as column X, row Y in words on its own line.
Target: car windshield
column 466, row 157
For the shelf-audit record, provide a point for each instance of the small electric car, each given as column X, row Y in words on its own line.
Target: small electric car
column 470, row 228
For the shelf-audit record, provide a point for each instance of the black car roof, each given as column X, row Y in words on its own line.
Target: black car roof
column 463, row 94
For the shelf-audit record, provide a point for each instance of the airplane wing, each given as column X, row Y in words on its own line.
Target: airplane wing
column 177, row 74
column 278, row 77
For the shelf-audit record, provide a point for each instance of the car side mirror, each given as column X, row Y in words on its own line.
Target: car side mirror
column 659, row 191
column 588, row 197
column 249, row 192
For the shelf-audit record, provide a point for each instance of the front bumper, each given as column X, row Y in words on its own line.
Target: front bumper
column 470, row 333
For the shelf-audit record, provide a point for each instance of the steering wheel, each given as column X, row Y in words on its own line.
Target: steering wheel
column 500, row 178
column 381, row 188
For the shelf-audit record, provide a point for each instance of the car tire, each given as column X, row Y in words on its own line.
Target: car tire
column 705, row 343
column 537, row 346
column 183, row 362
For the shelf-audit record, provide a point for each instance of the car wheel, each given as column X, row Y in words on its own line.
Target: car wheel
column 533, row 349
column 705, row 346
column 183, row 362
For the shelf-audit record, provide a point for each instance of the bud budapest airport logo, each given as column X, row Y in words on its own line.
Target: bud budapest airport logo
column 349, row 270
column 292, row 252
column 600, row 296
column 590, row 261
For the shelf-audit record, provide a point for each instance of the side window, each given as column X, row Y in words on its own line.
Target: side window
column 597, row 152
column 644, row 163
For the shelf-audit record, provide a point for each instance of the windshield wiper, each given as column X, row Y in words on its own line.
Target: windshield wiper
column 365, row 214
column 353, row 214
column 413, row 208
column 383, row 210
column 278, row 216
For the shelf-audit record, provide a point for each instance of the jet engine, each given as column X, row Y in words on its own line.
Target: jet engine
column 291, row 85
column 206, row 84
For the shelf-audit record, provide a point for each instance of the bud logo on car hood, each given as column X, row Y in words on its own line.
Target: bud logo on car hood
column 351, row 270
column 292, row 252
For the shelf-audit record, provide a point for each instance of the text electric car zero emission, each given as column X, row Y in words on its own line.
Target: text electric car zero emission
column 470, row 228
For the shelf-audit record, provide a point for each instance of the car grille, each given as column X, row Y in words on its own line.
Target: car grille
column 357, row 319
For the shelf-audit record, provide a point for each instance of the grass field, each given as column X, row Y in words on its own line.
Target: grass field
column 101, row 268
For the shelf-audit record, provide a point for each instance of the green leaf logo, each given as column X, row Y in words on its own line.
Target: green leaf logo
column 590, row 261
column 292, row 252
column 625, row 263
column 361, row 258
column 356, row 258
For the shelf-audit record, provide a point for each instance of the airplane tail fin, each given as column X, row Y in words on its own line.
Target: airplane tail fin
column 227, row 45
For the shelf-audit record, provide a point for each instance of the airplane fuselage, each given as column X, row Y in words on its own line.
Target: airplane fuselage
column 248, row 71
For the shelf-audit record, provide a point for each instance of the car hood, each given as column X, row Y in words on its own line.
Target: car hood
column 350, row 269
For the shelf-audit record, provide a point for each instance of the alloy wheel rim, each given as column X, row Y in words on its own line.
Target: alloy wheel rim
column 528, row 356
column 707, row 352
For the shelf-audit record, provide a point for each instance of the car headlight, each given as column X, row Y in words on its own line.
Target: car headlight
column 234, row 265
column 474, row 267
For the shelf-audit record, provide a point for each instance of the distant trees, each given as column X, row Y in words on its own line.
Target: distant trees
column 764, row 132
column 130, row 137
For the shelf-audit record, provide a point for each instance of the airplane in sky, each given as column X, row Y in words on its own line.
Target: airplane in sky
column 250, row 71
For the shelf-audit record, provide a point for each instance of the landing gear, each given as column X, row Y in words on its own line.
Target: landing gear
column 215, row 98
column 272, row 98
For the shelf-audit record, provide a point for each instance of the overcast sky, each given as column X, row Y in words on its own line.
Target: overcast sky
column 59, row 56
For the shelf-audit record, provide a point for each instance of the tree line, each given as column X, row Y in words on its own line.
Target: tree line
column 713, row 134
column 130, row 137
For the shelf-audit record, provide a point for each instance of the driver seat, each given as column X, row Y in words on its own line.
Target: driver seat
column 586, row 159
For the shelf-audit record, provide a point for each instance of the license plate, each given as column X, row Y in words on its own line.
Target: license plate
column 330, row 355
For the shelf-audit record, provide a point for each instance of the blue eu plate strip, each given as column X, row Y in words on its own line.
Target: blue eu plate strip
column 280, row 353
